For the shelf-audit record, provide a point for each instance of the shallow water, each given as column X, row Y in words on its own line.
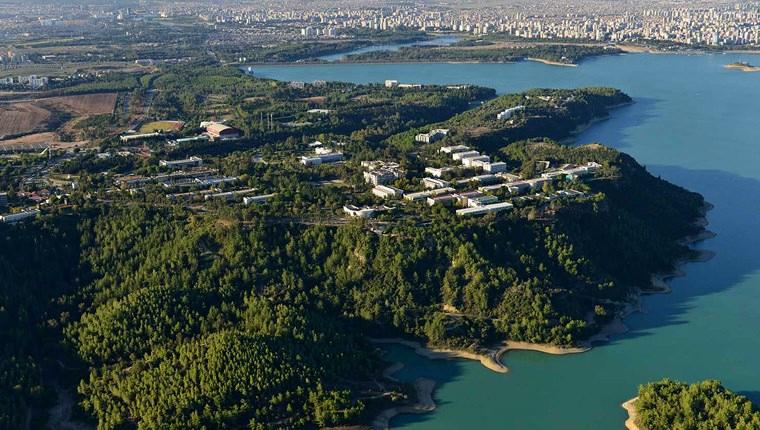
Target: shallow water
column 693, row 123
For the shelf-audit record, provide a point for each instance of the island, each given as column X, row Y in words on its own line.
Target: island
column 230, row 251
column 668, row 404
column 743, row 66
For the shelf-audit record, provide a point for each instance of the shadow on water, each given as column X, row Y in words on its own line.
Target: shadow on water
column 736, row 202
column 416, row 366
column 753, row 396
column 612, row 130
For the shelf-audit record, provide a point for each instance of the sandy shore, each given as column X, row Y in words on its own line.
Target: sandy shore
column 551, row 63
column 423, row 388
column 743, row 67
column 490, row 358
column 630, row 407
column 487, row 358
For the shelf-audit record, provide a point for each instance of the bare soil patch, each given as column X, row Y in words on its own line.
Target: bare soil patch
column 18, row 118
column 30, row 116
column 316, row 100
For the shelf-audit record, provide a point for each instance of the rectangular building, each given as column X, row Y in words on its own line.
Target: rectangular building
column 137, row 137
column 438, row 171
column 495, row 167
column 433, row 183
column 453, row 149
column 422, row 195
column 20, row 216
column 471, row 161
column 385, row 192
column 258, row 199
column 181, row 164
column 509, row 113
column 457, row 156
column 482, row 210
column 316, row 160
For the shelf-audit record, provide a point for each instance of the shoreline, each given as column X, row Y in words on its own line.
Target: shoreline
column 551, row 63
column 630, row 407
column 424, row 404
column 491, row 358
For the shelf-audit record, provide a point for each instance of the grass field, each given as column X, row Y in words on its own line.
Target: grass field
column 162, row 126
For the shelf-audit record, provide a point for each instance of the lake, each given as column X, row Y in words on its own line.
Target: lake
column 693, row 123
column 436, row 41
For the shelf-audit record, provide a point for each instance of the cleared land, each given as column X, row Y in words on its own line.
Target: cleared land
column 30, row 116
column 87, row 104
column 19, row 118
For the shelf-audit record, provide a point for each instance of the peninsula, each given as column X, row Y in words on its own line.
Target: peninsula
column 236, row 253
column 563, row 55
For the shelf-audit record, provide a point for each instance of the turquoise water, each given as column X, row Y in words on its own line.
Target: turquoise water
column 693, row 123
column 438, row 41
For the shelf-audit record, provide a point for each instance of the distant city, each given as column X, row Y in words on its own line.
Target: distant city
column 699, row 23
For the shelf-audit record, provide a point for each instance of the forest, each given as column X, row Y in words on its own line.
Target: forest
column 706, row 405
column 145, row 303
column 156, row 314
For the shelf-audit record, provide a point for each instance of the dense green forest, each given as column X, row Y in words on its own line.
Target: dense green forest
column 154, row 300
column 164, row 315
column 707, row 405
column 565, row 54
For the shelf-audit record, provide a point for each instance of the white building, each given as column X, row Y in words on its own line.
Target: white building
column 432, row 136
column 13, row 218
column 438, row 171
column 485, row 209
column 433, row 183
column 422, row 195
column 391, row 83
column 145, row 136
column 509, row 113
column 496, row 167
column 381, row 176
column 454, row 149
column 363, row 212
column 181, row 164
column 229, row 195
column 471, row 161
column 332, row 157
column 457, row 156
column 386, row 192
column 258, row 199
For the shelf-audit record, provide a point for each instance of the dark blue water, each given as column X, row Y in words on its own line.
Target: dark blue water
column 693, row 123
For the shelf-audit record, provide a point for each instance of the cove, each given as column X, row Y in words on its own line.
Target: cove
column 693, row 123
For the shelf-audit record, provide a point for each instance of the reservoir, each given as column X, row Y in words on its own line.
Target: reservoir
column 694, row 123
column 436, row 41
